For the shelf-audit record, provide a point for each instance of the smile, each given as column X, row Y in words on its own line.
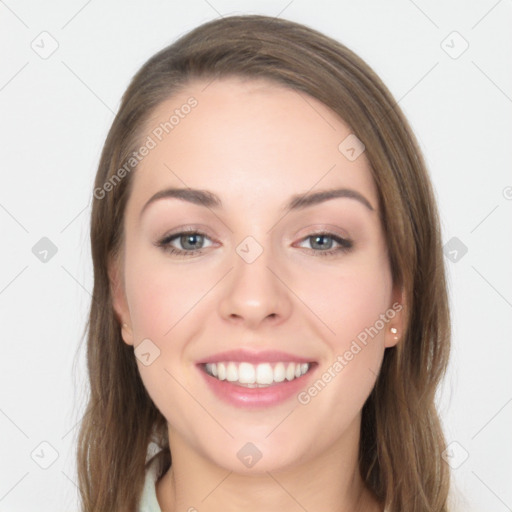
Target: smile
column 256, row 375
column 263, row 384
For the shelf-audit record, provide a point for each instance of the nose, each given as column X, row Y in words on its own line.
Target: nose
column 254, row 292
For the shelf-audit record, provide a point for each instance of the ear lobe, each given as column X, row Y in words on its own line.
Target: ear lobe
column 396, row 326
column 119, row 302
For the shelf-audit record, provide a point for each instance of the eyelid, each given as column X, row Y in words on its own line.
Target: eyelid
column 314, row 229
column 189, row 228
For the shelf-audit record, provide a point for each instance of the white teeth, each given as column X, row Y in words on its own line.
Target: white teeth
column 259, row 375
column 264, row 374
column 279, row 372
column 221, row 370
column 232, row 372
column 290, row 371
column 246, row 373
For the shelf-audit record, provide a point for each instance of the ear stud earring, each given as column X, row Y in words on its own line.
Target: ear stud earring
column 394, row 330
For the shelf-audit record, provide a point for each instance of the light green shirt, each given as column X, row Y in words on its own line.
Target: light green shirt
column 148, row 501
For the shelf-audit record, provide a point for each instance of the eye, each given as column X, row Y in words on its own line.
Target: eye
column 190, row 241
column 325, row 248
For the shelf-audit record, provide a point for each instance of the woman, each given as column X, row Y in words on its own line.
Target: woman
column 271, row 378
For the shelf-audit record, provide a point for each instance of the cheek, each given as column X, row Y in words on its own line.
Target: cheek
column 349, row 298
column 161, row 309
column 159, row 293
column 353, row 305
column 352, row 301
column 164, row 306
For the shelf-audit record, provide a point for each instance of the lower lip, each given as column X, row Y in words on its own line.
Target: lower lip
column 241, row 396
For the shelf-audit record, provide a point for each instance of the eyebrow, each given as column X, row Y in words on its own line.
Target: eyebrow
column 296, row 202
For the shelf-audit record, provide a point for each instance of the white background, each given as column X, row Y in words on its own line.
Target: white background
column 55, row 113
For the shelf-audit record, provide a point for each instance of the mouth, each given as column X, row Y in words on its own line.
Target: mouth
column 261, row 375
column 254, row 379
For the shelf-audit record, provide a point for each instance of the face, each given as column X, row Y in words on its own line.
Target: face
column 283, row 285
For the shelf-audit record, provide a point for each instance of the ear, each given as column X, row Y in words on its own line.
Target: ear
column 119, row 301
column 396, row 312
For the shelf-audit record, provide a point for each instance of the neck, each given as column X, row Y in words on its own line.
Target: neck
column 329, row 482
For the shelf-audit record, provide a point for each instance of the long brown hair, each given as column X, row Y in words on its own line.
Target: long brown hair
column 401, row 437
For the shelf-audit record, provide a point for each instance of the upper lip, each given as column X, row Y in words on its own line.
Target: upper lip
column 264, row 356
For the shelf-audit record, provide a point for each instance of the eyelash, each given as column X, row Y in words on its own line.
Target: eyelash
column 345, row 245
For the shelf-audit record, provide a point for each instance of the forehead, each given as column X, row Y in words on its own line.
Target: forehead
column 248, row 141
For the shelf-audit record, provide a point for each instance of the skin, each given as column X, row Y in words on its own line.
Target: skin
column 255, row 144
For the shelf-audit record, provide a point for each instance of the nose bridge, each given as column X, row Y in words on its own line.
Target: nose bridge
column 253, row 291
